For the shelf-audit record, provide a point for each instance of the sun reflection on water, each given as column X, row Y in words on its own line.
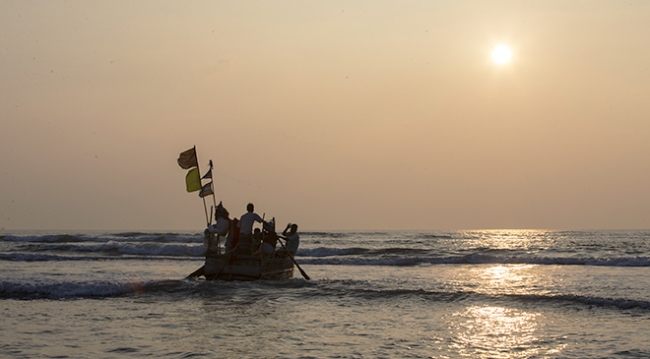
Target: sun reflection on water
column 511, row 239
column 499, row 331
column 505, row 279
column 495, row 332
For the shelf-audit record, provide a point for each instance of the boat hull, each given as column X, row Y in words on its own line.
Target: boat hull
column 247, row 268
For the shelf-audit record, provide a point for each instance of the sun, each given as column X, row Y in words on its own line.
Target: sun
column 501, row 54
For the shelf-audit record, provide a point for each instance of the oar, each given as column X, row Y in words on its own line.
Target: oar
column 304, row 275
column 197, row 273
column 201, row 271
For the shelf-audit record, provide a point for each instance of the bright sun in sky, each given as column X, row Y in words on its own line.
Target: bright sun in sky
column 501, row 54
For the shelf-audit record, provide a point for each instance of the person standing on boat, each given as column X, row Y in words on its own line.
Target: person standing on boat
column 293, row 239
column 246, row 221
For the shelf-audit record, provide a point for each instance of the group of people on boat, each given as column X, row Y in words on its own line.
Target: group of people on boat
column 242, row 240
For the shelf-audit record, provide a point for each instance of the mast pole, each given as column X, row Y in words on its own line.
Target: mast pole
column 214, row 199
column 207, row 220
column 205, row 209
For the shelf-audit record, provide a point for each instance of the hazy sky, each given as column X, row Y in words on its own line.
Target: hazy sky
column 333, row 115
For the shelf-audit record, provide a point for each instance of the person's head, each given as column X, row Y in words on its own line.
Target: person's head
column 294, row 228
column 221, row 212
column 257, row 231
column 250, row 207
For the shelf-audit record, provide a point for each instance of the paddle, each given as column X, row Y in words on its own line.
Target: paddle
column 304, row 275
column 197, row 273
column 201, row 271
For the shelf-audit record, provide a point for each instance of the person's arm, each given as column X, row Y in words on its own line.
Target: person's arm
column 284, row 233
column 261, row 220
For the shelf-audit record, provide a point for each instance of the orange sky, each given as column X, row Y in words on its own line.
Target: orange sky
column 333, row 115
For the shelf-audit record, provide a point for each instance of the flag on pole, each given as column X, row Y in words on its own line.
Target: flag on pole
column 193, row 180
column 187, row 159
column 207, row 175
column 206, row 190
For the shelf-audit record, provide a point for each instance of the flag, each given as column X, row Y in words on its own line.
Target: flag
column 206, row 190
column 207, row 175
column 192, row 180
column 187, row 159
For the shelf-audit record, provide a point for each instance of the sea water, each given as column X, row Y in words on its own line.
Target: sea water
column 411, row 294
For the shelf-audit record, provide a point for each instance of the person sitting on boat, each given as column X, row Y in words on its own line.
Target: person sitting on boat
column 257, row 240
column 246, row 221
column 293, row 239
column 220, row 228
column 270, row 240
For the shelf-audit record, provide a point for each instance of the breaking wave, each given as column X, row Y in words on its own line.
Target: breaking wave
column 98, row 289
column 472, row 259
column 122, row 237
column 345, row 248
column 80, row 290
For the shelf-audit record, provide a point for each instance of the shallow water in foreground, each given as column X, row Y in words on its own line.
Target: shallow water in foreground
column 478, row 294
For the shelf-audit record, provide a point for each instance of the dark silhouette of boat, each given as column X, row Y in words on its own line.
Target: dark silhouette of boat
column 247, row 267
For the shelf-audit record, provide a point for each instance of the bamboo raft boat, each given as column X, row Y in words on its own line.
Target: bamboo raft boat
column 247, row 268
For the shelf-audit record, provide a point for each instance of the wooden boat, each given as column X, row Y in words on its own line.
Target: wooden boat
column 247, row 267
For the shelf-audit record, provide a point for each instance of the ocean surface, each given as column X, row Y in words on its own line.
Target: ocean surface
column 383, row 294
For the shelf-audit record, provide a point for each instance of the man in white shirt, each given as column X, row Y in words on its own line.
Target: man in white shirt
column 245, row 225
